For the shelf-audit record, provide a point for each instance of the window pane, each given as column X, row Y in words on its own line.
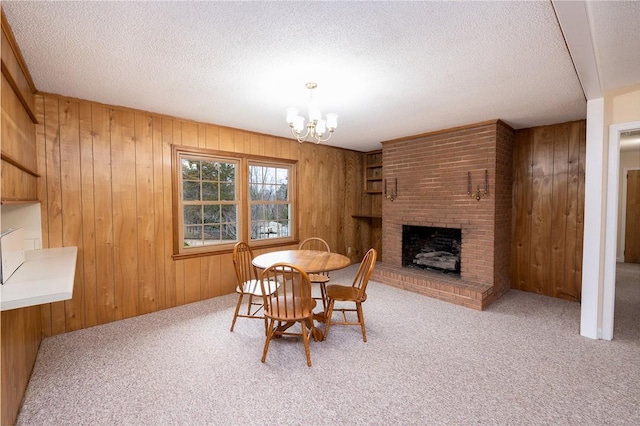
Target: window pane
column 255, row 191
column 192, row 235
column 227, row 172
column 255, row 174
column 269, row 193
column 191, row 191
column 211, row 214
column 212, row 234
column 257, row 213
column 282, row 193
column 282, row 176
column 254, row 231
column 229, row 232
column 269, row 175
column 210, row 170
column 282, row 212
column 284, row 228
column 269, row 229
column 192, row 215
column 260, row 229
column 190, row 169
column 229, row 214
column 271, row 211
column 209, row 191
column 227, row 191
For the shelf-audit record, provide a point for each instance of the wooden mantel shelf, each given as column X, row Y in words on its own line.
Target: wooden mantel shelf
column 46, row 276
column 366, row 216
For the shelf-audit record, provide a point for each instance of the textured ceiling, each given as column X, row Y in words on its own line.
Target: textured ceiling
column 388, row 69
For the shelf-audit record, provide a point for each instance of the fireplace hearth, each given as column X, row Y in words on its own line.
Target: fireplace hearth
column 432, row 248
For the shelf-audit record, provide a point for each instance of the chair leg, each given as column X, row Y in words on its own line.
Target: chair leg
column 327, row 320
column 305, row 339
column 268, row 340
column 235, row 315
column 361, row 321
column 250, row 304
column 323, row 294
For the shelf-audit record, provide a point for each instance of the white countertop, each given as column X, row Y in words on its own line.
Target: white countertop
column 46, row 276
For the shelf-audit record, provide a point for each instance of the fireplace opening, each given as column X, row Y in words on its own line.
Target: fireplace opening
column 431, row 248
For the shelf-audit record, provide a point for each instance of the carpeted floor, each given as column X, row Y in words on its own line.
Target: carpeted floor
column 426, row 362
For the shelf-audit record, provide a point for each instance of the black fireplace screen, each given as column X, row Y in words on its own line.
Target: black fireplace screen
column 431, row 248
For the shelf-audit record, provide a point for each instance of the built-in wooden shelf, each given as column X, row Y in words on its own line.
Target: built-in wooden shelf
column 373, row 173
column 20, row 201
column 366, row 216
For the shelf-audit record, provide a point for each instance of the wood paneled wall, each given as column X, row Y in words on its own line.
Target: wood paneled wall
column 106, row 188
column 548, row 210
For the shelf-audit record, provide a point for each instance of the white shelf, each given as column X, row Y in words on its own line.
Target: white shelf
column 46, row 276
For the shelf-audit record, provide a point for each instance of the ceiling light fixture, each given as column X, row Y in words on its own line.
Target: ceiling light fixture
column 316, row 126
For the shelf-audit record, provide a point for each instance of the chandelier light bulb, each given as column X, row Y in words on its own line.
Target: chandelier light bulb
column 292, row 113
column 321, row 127
column 298, row 124
column 332, row 120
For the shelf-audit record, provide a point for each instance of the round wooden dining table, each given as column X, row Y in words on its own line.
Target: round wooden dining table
column 311, row 261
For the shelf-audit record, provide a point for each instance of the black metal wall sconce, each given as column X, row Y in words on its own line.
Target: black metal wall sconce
column 394, row 191
column 478, row 194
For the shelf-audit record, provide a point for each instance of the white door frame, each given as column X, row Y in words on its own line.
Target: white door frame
column 611, row 225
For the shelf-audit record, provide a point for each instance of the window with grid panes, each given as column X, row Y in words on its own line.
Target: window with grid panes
column 221, row 198
column 209, row 201
column 269, row 201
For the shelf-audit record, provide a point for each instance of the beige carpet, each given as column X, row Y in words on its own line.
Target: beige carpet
column 426, row 362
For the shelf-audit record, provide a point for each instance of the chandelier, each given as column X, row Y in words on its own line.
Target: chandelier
column 317, row 129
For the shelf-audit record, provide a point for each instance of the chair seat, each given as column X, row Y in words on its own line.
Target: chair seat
column 344, row 293
column 286, row 311
column 253, row 287
column 318, row 278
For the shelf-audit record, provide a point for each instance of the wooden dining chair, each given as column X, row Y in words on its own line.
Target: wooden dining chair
column 291, row 303
column 322, row 278
column 248, row 284
column 355, row 293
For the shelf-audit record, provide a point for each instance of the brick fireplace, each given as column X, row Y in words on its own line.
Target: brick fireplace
column 432, row 172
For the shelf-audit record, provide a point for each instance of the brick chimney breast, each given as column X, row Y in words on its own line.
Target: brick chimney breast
column 432, row 172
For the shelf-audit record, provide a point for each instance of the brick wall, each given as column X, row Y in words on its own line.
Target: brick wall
column 431, row 171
